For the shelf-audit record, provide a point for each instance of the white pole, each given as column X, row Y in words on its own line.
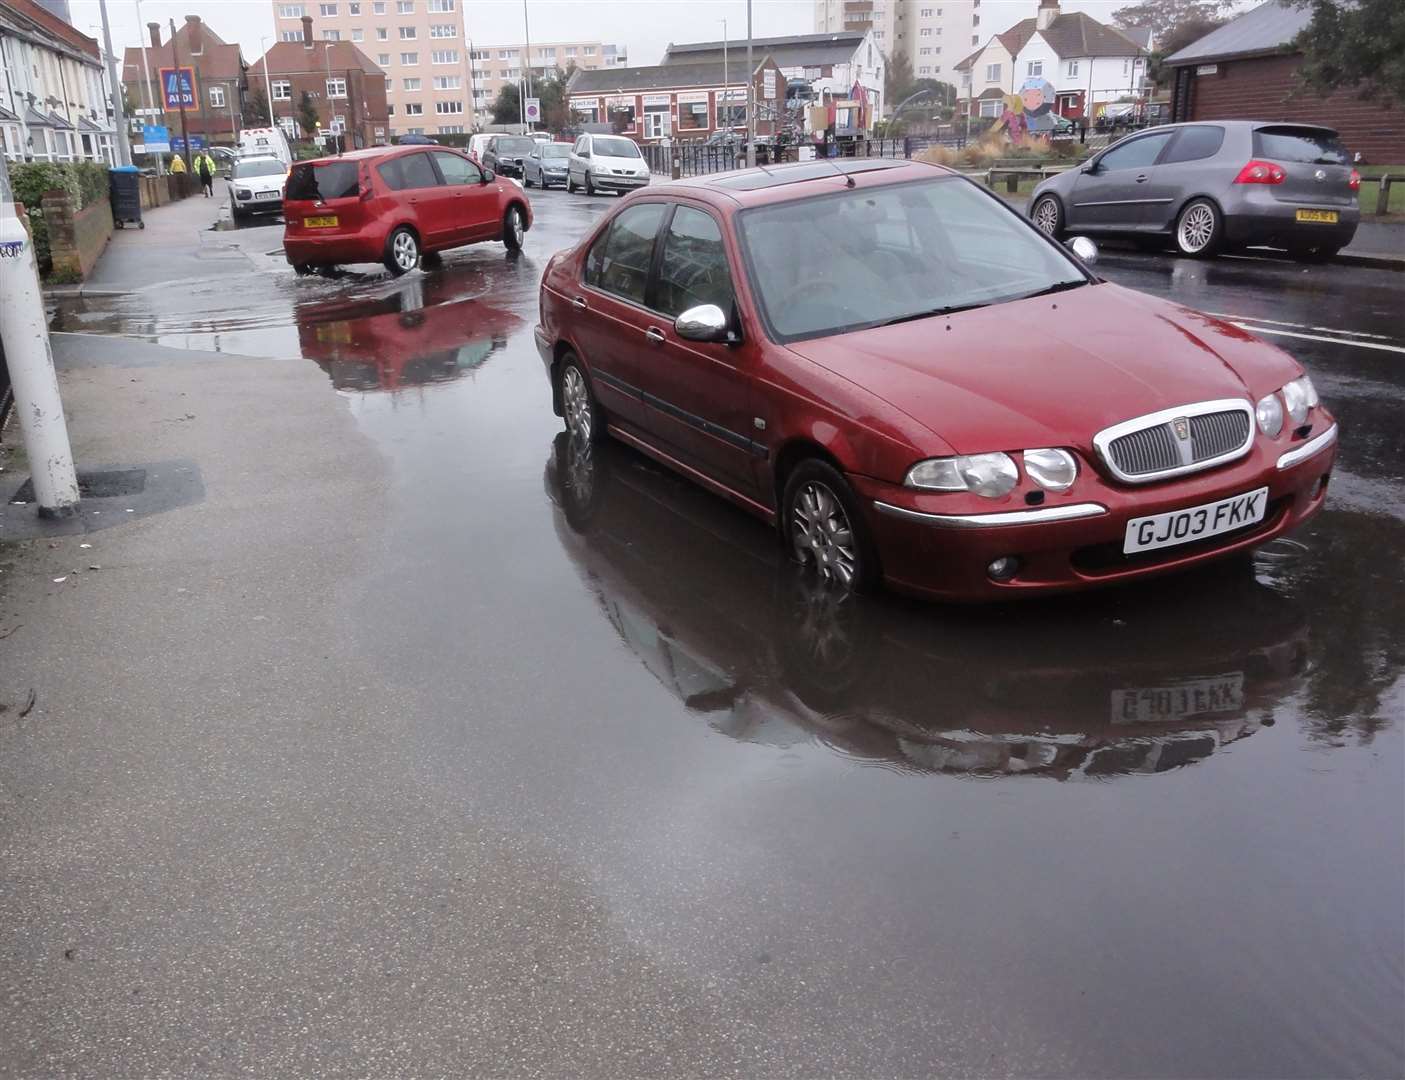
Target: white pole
column 119, row 115
column 726, row 83
column 750, row 96
column 267, row 84
column 150, row 96
column 24, row 333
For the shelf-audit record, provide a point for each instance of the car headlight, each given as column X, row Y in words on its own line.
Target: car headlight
column 242, row 193
column 1269, row 415
column 1300, row 396
column 990, row 475
column 1053, row 470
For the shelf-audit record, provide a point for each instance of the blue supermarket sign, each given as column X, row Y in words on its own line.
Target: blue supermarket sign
column 178, row 87
column 197, row 142
column 157, row 138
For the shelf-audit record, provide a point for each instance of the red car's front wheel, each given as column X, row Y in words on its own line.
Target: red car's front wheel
column 824, row 529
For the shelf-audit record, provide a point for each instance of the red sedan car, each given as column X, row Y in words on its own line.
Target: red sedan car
column 393, row 204
column 919, row 388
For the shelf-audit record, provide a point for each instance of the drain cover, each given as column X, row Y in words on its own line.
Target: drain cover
column 108, row 484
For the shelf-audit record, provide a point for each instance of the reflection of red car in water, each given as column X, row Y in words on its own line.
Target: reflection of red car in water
column 397, row 341
column 718, row 617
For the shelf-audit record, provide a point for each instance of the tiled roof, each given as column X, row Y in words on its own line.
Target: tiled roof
column 1072, row 35
column 1265, row 29
column 51, row 24
column 295, row 58
column 797, row 50
column 660, row 77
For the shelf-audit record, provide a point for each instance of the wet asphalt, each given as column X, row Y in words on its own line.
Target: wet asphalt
column 675, row 813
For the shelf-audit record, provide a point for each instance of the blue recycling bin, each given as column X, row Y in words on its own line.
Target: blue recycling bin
column 124, row 191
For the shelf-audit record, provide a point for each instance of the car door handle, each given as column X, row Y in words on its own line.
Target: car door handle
column 655, row 335
column 1142, row 178
column 579, row 302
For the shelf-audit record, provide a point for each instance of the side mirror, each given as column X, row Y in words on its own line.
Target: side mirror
column 1088, row 167
column 585, row 153
column 706, row 322
column 1085, row 249
column 488, row 174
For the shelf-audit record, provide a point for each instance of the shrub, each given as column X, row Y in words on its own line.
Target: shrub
column 939, row 155
column 39, row 237
column 31, row 179
column 92, row 182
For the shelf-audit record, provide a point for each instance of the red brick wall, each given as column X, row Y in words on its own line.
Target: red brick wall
column 1259, row 89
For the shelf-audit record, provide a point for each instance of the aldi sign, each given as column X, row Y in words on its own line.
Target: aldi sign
column 178, row 87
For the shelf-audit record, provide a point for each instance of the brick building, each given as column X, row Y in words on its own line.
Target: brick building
column 346, row 85
column 221, row 80
column 1247, row 70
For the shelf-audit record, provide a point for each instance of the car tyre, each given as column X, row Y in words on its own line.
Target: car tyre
column 585, row 420
column 1048, row 216
column 824, row 530
column 1199, row 229
column 402, row 251
column 527, row 180
column 589, row 187
column 302, row 269
column 570, row 185
column 514, row 228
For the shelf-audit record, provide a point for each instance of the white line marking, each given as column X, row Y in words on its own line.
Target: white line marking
column 1299, row 326
column 1318, row 337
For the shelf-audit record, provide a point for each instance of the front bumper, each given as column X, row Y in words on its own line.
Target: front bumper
column 508, row 168
column 1074, row 540
column 618, row 183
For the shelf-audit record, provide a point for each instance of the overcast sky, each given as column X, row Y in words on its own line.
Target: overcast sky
column 645, row 27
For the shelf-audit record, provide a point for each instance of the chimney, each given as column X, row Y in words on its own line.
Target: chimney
column 1048, row 12
column 195, row 35
column 154, row 29
column 307, row 31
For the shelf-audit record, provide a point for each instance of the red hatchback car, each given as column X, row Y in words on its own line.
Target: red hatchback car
column 918, row 387
column 393, row 204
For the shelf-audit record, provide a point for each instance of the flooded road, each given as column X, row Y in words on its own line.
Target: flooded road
column 654, row 806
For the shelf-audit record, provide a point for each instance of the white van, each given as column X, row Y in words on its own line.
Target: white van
column 265, row 142
column 478, row 143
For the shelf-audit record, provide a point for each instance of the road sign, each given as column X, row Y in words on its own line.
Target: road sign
column 197, row 142
column 157, row 138
column 178, row 87
column 534, row 110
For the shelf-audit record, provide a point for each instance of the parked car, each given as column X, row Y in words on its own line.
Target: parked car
column 393, row 204
column 256, row 186
column 546, row 165
column 417, row 140
column 606, row 163
column 505, row 154
column 1208, row 187
column 927, row 391
column 478, row 143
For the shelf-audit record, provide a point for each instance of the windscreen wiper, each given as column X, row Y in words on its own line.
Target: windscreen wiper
column 932, row 312
column 1056, row 287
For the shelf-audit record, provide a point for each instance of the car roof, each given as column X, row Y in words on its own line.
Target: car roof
column 784, row 183
column 258, row 157
column 374, row 153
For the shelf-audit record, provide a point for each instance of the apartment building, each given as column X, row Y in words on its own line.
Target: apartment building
column 494, row 66
column 421, row 45
column 934, row 35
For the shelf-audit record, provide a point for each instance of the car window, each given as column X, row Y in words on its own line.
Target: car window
column 457, row 170
column 1135, row 153
column 329, row 180
column 613, row 146
column 1195, row 144
column 619, row 260
column 694, row 266
column 515, row 145
column 410, row 171
column 1313, row 146
column 258, row 167
column 583, row 145
column 555, row 150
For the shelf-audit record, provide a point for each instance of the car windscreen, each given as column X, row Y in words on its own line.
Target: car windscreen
column 1314, row 146
column 513, row 146
column 258, row 167
column 556, row 151
column 873, row 256
column 610, row 147
column 327, row 180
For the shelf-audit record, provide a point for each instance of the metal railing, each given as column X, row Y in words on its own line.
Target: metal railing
column 700, row 159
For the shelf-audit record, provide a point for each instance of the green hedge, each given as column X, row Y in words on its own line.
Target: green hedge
column 85, row 181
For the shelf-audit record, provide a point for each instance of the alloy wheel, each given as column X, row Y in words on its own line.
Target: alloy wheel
column 1197, row 227
column 575, row 400
column 405, row 251
column 820, row 533
column 515, row 224
column 1046, row 216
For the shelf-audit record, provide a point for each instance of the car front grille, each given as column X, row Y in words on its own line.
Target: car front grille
column 1177, row 441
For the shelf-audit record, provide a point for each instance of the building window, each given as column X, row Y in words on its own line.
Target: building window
column 327, row 11
column 411, row 85
column 992, row 73
column 414, row 108
column 448, row 108
column 1126, row 67
column 444, row 56
column 404, row 7
column 448, row 82
column 331, row 35
column 1036, row 67
column 878, row 35
column 282, row 90
column 926, row 50
column 926, row 13
column 353, row 8
column 414, row 131
column 480, row 54
column 217, row 97
column 291, row 35
column 441, row 5
column 507, row 54
column 390, row 108
column 408, row 33
column 510, row 73
column 546, row 54
column 336, row 88
column 992, row 107
column 590, row 50
column 570, row 50
column 975, row 39
column 409, row 59
column 291, row 11
column 358, row 35
column 378, row 7
column 383, row 59
column 444, row 30
column 1073, row 69
column 382, row 34
column 450, row 129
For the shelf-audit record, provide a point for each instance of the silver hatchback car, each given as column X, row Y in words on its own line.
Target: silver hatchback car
column 1208, row 186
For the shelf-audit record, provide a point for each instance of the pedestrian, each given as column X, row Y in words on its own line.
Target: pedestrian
column 177, row 163
column 205, row 169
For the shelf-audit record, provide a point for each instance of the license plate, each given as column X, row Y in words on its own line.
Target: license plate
column 325, row 221
column 267, row 195
column 1325, row 217
column 1193, row 697
column 1195, row 522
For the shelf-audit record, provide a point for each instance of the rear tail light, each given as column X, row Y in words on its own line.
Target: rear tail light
column 1261, row 172
column 1354, row 181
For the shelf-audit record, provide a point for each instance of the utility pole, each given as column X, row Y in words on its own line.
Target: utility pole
column 750, row 96
column 526, row 60
column 24, row 336
column 180, row 94
column 119, row 114
column 150, row 97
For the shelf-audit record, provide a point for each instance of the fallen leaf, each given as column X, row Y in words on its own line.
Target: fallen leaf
column 28, row 705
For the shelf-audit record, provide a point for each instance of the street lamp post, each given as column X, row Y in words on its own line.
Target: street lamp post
column 726, row 82
column 750, row 96
column 150, row 97
column 267, row 83
column 119, row 114
column 526, row 62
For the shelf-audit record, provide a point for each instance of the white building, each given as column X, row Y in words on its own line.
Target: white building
column 932, row 34
column 53, row 89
